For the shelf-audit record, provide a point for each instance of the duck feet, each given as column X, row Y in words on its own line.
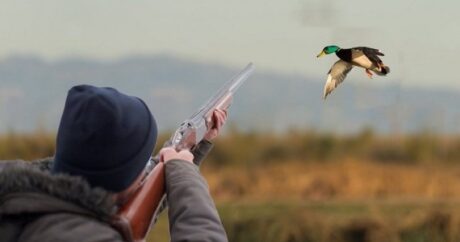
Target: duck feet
column 369, row 73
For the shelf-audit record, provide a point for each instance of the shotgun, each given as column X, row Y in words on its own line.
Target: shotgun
column 135, row 218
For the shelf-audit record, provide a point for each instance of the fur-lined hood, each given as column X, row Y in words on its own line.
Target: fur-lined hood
column 32, row 182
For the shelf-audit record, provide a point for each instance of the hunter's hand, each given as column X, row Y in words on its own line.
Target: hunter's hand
column 219, row 117
column 169, row 153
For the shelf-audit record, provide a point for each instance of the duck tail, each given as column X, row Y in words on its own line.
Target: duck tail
column 385, row 70
column 382, row 71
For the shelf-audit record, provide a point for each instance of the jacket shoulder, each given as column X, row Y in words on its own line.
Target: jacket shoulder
column 69, row 227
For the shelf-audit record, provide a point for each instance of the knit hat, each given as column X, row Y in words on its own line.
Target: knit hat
column 104, row 136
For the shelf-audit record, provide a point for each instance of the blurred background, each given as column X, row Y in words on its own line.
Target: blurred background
column 377, row 161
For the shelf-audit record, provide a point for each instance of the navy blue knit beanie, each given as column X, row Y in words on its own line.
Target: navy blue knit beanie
column 104, row 136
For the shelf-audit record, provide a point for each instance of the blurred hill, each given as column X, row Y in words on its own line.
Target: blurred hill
column 32, row 95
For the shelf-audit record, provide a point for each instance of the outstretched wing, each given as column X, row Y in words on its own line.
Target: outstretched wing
column 372, row 54
column 336, row 75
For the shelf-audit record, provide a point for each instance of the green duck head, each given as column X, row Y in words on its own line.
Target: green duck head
column 328, row 50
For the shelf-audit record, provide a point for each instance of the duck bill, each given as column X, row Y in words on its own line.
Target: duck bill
column 321, row 54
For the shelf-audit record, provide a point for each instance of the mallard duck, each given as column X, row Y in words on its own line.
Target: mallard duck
column 364, row 57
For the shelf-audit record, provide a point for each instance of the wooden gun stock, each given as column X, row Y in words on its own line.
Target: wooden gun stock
column 133, row 220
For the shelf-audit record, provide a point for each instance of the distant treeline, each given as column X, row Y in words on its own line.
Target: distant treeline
column 240, row 148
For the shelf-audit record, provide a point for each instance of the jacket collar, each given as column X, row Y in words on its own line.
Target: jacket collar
column 28, row 187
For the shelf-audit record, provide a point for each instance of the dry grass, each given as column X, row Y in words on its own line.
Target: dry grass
column 345, row 180
column 335, row 221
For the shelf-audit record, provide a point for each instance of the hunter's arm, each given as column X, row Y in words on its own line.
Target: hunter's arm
column 192, row 213
column 201, row 150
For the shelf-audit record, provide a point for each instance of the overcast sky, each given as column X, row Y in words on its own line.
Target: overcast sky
column 419, row 37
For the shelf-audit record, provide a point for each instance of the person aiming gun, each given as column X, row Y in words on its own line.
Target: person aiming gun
column 104, row 142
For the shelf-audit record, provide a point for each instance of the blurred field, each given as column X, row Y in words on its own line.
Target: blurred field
column 346, row 180
column 307, row 186
column 336, row 221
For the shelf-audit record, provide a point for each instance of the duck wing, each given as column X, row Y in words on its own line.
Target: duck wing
column 371, row 53
column 336, row 75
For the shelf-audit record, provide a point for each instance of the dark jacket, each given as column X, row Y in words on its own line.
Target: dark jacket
column 193, row 218
column 38, row 206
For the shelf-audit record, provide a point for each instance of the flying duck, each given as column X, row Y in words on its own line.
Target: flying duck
column 364, row 57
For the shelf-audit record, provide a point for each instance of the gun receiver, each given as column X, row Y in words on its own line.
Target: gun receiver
column 135, row 218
